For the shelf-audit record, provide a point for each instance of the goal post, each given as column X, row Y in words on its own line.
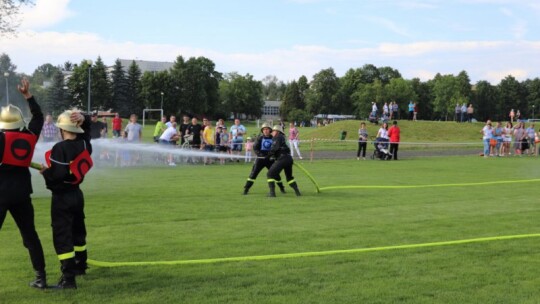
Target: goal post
column 150, row 110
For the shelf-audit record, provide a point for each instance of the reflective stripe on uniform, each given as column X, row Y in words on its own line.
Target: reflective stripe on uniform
column 291, row 181
column 271, row 180
column 79, row 248
column 65, row 256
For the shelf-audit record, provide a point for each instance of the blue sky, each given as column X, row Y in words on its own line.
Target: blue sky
column 490, row 39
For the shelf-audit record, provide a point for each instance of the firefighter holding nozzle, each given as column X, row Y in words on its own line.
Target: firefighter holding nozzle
column 17, row 143
column 262, row 148
column 283, row 161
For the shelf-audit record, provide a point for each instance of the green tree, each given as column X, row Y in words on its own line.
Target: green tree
column 101, row 87
column 196, row 83
column 423, row 100
column 349, row 83
column 135, row 102
column 78, row 84
column 464, row 85
column 152, row 84
column 292, row 100
column 303, row 87
column 57, row 97
column 119, row 87
column 366, row 94
column 273, row 88
column 487, row 102
column 533, row 96
column 242, row 95
column 370, row 73
column 512, row 95
column 322, row 94
column 446, row 93
column 386, row 74
column 44, row 73
column 401, row 91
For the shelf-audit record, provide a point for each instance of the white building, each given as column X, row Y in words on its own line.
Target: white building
column 270, row 110
column 147, row 66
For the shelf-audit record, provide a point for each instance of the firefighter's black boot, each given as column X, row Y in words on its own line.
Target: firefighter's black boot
column 247, row 186
column 295, row 187
column 41, row 280
column 281, row 187
column 67, row 280
column 80, row 262
column 272, row 186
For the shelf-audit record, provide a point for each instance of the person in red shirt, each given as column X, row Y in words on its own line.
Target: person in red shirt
column 117, row 125
column 393, row 134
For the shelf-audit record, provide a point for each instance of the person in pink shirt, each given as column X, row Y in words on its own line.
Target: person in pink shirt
column 394, row 134
column 293, row 140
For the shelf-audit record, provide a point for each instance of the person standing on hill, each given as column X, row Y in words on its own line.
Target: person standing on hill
column 395, row 111
column 411, row 110
column 394, row 135
column 457, row 111
column 463, row 112
column 470, row 112
column 17, row 143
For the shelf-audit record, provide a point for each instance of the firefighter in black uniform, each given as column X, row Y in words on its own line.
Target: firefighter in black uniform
column 283, row 161
column 17, row 143
column 262, row 148
column 67, row 163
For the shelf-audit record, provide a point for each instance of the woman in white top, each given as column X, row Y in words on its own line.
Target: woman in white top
column 383, row 131
column 508, row 130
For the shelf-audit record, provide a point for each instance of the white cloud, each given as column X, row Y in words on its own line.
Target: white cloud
column 390, row 25
column 483, row 60
column 45, row 13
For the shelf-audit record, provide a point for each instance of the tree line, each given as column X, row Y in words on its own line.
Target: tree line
column 193, row 86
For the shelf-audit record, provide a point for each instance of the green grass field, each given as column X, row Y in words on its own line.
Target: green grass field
column 198, row 212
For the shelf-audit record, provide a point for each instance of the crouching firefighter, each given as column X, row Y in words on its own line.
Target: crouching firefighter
column 17, row 143
column 67, row 163
column 262, row 148
column 283, row 161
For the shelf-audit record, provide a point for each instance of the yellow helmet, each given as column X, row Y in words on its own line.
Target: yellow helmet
column 64, row 122
column 278, row 128
column 265, row 125
column 11, row 118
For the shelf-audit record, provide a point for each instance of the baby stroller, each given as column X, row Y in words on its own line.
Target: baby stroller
column 381, row 149
column 373, row 118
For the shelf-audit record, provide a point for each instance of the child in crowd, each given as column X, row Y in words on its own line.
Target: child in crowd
column 249, row 148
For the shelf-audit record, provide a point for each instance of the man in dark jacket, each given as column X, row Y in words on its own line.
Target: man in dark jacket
column 262, row 148
column 283, row 161
column 17, row 143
